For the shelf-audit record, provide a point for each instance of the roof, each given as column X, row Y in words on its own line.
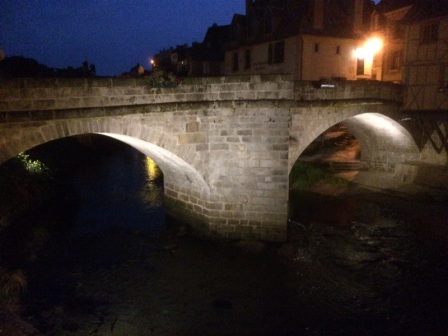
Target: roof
column 294, row 17
column 424, row 10
column 385, row 6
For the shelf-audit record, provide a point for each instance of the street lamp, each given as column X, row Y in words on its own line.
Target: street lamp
column 365, row 55
column 370, row 48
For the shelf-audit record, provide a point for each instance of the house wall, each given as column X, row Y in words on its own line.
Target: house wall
column 426, row 65
column 326, row 62
column 385, row 65
column 300, row 61
column 259, row 59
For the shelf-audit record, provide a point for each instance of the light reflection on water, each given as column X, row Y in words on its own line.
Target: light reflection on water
column 151, row 195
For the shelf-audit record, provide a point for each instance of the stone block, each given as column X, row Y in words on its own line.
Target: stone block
column 192, row 138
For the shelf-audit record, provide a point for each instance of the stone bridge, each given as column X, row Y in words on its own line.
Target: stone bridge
column 225, row 145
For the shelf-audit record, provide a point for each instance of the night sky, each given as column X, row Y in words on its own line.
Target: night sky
column 114, row 35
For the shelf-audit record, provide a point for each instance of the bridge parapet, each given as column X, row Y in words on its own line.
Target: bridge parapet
column 62, row 94
column 347, row 90
column 58, row 94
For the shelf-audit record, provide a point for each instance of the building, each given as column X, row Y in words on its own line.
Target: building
column 308, row 39
column 414, row 51
column 207, row 58
column 199, row 59
column 425, row 68
column 387, row 28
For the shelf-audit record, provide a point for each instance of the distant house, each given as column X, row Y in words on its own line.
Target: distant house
column 425, row 72
column 386, row 24
column 207, row 58
column 414, row 53
column 308, row 39
column 200, row 59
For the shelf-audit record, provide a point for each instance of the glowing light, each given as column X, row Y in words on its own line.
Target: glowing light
column 360, row 53
column 374, row 45
column 370, row 48
column 152, row 169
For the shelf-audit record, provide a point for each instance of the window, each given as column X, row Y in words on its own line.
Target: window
column 247, row 59
column 395, row 60
column 444, row 78
column 397, row 31
column 316, row 47
column 276, row 52
column 430, row 33
column 270, row 54
column 338, row 50
column 360, row 67
column 279, row 56
column 235, row 61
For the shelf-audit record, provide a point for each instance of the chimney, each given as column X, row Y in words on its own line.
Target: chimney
column 318, row 14
column 358, row 16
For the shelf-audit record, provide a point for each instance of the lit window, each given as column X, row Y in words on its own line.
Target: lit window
column 360, row 66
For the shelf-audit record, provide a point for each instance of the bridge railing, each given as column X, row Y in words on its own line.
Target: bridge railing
column 59, row 94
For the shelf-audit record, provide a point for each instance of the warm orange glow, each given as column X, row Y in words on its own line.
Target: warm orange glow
column 374, row 45
column 369, row 49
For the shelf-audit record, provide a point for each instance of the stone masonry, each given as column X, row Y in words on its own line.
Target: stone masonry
column 225, row 145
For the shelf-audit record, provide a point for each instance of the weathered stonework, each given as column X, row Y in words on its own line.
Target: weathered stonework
column 225, row 145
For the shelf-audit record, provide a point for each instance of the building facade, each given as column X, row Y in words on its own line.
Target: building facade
column 307, row 39
column 425, row 68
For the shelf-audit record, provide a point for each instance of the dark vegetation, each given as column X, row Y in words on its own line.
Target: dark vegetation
column 22, row 67
column 24, row 186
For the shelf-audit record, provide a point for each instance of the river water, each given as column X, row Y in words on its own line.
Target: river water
column 361, row 263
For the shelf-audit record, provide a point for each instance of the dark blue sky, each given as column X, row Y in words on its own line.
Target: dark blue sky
column 115, row 35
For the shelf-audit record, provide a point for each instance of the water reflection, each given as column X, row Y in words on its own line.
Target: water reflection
column 151, row 195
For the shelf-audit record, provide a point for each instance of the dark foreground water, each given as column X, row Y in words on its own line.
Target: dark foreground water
column 359, row 264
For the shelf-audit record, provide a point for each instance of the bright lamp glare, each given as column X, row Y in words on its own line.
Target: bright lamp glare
column 374, row 45
column 360, row 53
column 370, row 48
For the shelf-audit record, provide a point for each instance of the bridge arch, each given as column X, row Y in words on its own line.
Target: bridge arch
column 386, row 145
column 185, row 187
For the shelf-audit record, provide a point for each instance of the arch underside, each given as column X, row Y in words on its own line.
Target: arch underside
column 386, row 146
column 175, row 169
